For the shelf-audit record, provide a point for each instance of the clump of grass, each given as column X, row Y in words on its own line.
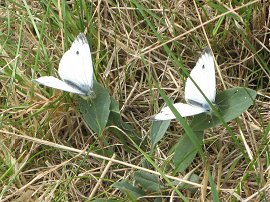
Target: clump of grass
column 47, row 151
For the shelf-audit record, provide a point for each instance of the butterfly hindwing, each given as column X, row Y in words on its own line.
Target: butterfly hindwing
column 183, row 109
column 53, row 82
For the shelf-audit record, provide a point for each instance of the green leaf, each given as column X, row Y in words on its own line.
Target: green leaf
column 114, row 107
column 115, row 120
column 148, row 181
column 106, row 200
column 214, row 192
column 192, row 178
column 131, row 191
column 231, row 103
column 158, row 130
column 185, row 152
column 96, row 111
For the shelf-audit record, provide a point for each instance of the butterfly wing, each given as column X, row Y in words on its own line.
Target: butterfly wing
column 53, row 82
column 204, row 76
column 183, row 109
column 76, row 66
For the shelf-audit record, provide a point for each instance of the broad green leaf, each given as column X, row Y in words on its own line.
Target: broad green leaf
column 149, row 182
column 231, row 103
column 96, row 111
column 185, row 152
column 158, row 130
column 115, row 120
column 131, row 191
column 114, row 105
column 192, row 178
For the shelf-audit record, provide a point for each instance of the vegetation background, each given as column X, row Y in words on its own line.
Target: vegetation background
column 134, row 44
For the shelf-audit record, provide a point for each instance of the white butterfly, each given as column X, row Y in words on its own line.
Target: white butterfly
column 75, row 70
column 203, row 75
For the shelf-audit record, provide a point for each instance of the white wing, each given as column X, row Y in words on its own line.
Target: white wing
column 204, row 76
column 76, row 66
column 183, row 109
column 53, row 82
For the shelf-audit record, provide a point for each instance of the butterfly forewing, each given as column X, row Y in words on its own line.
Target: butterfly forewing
column 76, row 67
column 203, row 75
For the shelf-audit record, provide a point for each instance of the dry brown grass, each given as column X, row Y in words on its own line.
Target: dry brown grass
column 47, row 152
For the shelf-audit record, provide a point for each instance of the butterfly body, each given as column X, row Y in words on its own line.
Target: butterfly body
column 198, row 104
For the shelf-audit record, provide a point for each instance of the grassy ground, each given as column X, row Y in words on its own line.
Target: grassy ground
column 133, row 44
